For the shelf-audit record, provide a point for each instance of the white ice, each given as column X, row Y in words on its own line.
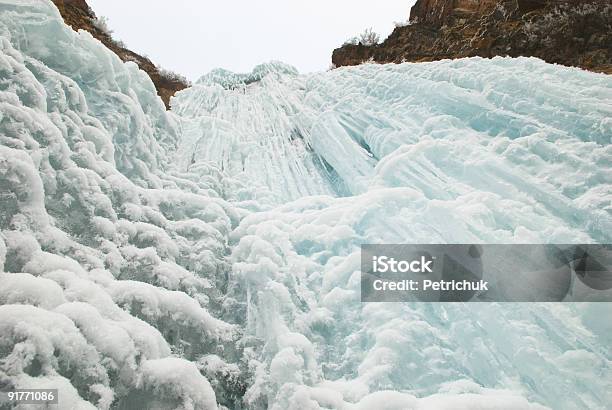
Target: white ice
column 209, row 256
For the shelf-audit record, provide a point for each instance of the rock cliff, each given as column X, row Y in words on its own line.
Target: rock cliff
column 574, row 33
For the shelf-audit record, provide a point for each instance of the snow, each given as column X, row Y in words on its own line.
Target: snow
column 173, row 378
column 209, row 256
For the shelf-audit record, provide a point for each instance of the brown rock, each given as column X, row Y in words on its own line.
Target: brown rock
column 569, row 32
column 440, row 12
column 525, row 6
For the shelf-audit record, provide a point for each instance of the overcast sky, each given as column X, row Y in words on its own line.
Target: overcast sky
column 192, row 37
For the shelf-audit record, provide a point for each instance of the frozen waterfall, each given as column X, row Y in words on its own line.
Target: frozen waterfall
column 208, row 257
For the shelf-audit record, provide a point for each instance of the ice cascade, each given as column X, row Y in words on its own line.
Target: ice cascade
column 208, row 257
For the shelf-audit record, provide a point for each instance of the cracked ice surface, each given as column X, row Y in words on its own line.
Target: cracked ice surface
column 209, row 256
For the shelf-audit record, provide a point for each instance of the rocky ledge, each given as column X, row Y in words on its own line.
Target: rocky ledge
column 573, row 33
column 78, row 15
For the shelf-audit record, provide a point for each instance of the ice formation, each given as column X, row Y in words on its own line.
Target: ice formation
column 209, row 256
